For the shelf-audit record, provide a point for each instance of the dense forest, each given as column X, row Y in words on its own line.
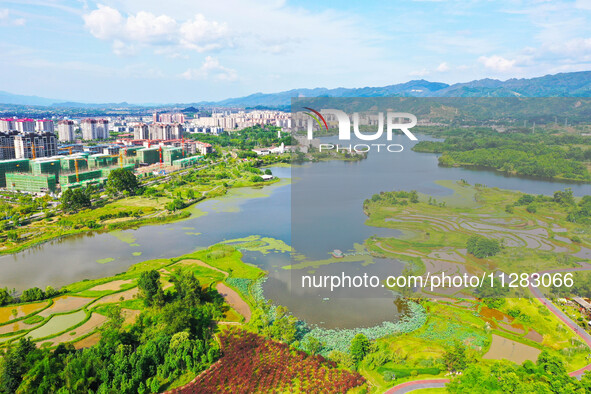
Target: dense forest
column 542, row 155
column 171, row 337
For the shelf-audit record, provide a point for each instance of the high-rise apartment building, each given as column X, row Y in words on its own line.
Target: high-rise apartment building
column 94, row 129
column 34, row 145
column 141, row 132
column 178, row 118
column 44, row 126
column 6, row 125
column 160, row 131
column 25, row 125
column 7, row 151
column 65, row 129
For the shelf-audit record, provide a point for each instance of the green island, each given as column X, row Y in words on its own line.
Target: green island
column 548, row 153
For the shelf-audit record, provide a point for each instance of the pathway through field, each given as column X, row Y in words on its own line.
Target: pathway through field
column 407, row 387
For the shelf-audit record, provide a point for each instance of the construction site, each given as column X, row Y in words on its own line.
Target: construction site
column 58, row 173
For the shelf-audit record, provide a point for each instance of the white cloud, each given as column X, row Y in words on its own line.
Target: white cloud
column 211, row 68
column 202, row 35
column 7, row 20
column 145, row 28
column 497, row 63
column 443, row 67
column 104, row 23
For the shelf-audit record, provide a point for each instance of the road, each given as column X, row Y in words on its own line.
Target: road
column 418, row 384
column 407, row 387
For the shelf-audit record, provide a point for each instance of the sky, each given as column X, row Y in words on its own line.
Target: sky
column 173, row 51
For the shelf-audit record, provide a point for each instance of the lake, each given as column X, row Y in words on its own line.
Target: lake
column 326, row 214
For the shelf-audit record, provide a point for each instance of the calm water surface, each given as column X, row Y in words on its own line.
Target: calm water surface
column 319, row 211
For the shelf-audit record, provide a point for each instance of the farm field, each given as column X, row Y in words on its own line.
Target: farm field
column 77, row 315
column 436, row 231
column 434, row 237
column 515, row 326
column 252, row 363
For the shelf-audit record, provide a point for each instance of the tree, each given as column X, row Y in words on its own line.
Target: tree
column 343, row 359
column 190, row 194
column 12, row 235
column 312, row 345
column 149, row 288
column 75, row 199
column 122, row 180
column 268, row 172
column 175, row 204
column 482, row 247
column 5, row 297
column 14, row 365
column 32, row 294
column 564, row 198
column 187, row 287
column 359, row 348
column 455, row 358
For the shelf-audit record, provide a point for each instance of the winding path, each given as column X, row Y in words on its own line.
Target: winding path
column 231, row 297
column 407, row 387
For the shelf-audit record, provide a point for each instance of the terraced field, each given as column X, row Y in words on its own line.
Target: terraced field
column 77, row 315
column 436, row 234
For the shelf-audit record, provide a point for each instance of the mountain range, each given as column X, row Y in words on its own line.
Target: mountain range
column 574, row 84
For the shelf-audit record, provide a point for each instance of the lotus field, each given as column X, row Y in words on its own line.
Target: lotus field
column 252, row 364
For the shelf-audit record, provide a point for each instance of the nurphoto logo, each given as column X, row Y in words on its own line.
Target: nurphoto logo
column 394, row 121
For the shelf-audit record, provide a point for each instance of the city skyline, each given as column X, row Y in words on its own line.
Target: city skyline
column 154, row 52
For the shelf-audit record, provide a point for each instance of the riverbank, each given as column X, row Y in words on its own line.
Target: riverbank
column 161, row 203
column 82, row 307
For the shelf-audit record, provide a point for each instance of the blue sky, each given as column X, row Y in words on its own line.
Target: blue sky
column 191, row 50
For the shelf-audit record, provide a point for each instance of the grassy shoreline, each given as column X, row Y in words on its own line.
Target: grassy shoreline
column 131, row 223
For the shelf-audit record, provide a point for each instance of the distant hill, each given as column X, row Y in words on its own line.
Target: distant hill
column 575, row 84
column 17, row 99
column 420, row 88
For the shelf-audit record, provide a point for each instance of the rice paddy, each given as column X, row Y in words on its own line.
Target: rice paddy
column 76, row 316
column 511, row 350
column 57, row 324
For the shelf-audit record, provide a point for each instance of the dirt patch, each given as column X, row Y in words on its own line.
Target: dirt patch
column 234, row 300
column 111, row 298
column 65, row 304
column 114, row 285
column 534, row 336
column 513, row 329
column 202, row 264
column 513, row 351
column 129, row 315
column 89, row 341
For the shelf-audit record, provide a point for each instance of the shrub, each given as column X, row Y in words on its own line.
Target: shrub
column 482, row 247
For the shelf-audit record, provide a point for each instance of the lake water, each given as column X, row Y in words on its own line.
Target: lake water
column 327, row 214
